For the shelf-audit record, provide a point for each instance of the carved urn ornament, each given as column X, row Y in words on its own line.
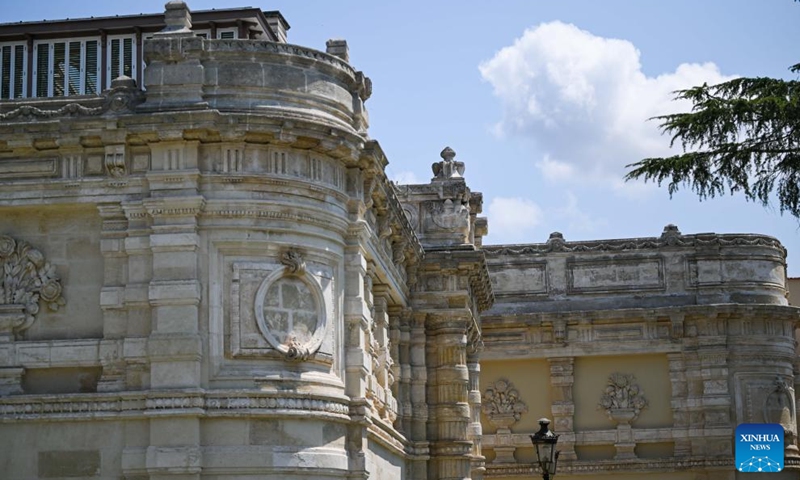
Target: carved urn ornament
column 502, row 405
column 623, row 399
column 26, row 280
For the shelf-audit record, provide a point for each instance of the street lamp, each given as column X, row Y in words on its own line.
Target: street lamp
column 545, row 442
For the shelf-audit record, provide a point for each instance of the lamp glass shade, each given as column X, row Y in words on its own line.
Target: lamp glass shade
column 545, row 442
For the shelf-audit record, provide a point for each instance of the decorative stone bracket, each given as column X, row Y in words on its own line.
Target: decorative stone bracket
column 25, row 279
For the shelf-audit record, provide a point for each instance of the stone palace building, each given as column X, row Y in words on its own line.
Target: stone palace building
column 207, row 274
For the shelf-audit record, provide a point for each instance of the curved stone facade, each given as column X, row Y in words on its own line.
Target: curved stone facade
column 213, row 277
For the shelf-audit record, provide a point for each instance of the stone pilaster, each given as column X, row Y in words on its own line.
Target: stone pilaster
column 680, row 411
column 562, row 378
column 716, row 400
column 137, row 290
column 112, row 297
column 357, row 319
column 175, row 346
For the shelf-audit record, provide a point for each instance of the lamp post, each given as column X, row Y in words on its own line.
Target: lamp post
column 545, row 443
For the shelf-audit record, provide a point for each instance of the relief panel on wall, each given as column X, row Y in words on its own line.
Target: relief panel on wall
column 281, row 308
column 635, row 274
column 524, row 278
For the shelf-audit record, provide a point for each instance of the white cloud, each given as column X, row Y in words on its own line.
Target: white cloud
column 585, row 101
column 513, row 219
column 406, row 178
column 577, row 220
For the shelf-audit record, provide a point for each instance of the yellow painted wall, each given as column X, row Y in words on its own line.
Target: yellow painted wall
column 531, row 378
column 794, row 291
column 591, row 377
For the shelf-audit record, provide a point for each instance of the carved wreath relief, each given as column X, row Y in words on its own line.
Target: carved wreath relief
column 289, row 309
column 26, row 279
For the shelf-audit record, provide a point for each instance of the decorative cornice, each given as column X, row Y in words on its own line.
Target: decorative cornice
column 669, row 239
column 123, row 96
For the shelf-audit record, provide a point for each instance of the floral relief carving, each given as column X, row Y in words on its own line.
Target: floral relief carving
column 26, row 279
column 502, row 405
column 623, row 398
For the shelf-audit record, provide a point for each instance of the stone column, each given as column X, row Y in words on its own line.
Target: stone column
column 398, row 349
column 475, row 432
column 562, row 378
column 418, row 394
column 447, row 357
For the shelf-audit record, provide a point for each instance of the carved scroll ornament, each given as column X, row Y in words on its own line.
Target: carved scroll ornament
column 26, row 279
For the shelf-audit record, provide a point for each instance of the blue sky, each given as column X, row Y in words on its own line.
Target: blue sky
column 545, row 102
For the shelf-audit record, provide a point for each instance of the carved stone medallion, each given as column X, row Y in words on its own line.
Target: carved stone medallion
column 289, row 309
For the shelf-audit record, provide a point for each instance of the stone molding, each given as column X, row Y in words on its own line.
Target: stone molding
column 600, row 466
column 210, row 403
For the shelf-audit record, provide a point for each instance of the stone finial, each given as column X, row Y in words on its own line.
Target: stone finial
column 178, row 19
column 556, row 242
column 671, row 236
column 448, row 168
column 670, row 229
column 338, row 47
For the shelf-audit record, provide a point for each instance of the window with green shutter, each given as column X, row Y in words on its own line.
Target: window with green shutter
column 121, row 57
column 66, row 68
